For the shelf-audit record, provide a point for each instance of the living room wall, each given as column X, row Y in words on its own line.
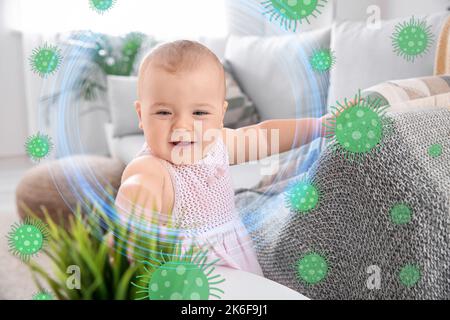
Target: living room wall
column 240, row 22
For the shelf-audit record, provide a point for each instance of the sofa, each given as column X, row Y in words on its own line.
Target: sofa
column 275, row 75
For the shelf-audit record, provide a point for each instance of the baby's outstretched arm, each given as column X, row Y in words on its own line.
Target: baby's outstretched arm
column 270, row 137
column 294, row 133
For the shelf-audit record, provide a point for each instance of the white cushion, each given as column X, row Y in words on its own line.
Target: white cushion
column 365, row 57
column 122, row 93
column 275, row 73
column 127, row 147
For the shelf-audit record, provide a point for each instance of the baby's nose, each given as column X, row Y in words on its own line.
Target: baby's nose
column 183, row 123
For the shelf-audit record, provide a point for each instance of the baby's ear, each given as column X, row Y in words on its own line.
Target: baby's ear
column 137, row 106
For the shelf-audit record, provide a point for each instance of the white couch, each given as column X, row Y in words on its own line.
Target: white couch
column 275, row 73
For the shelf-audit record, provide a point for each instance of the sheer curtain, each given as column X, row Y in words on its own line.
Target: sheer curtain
column 165, row 19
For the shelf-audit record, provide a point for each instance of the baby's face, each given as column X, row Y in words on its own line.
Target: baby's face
column 181, row 106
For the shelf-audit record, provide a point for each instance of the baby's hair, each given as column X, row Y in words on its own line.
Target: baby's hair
column 178, row 56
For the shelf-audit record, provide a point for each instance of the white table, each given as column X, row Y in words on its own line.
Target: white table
column 241, row 285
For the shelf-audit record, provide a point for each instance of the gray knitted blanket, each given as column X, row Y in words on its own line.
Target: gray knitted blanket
column 381, row 228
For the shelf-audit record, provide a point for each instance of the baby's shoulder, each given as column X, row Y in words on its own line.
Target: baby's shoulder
column 147, row 165
column 145, row 178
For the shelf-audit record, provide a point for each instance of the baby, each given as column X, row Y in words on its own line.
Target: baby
column 182, row 174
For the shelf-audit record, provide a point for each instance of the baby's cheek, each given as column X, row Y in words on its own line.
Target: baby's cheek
column 211, row 131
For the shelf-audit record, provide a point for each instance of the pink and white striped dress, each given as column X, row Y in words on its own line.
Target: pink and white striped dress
column 204, row 209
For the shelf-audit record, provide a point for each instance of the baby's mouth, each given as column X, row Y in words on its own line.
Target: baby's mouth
column 182, row 143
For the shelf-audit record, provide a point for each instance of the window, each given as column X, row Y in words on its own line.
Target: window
column 164, row 19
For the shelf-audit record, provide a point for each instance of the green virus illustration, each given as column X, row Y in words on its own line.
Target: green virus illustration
column 101, row 6
column 435, row 150
column 357, row 127
column 38, row 146
column 45, row 60
column 412, row 39
column 400, row 214
column 187, row 277
column 302, row 197
column 26, row 239
column 43, row 295
column 409, row 275
column 322, row 60
column 292, row 12
column 312, row 268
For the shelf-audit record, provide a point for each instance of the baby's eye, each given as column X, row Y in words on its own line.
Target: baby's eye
column 200, row 113
column 163, row 112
